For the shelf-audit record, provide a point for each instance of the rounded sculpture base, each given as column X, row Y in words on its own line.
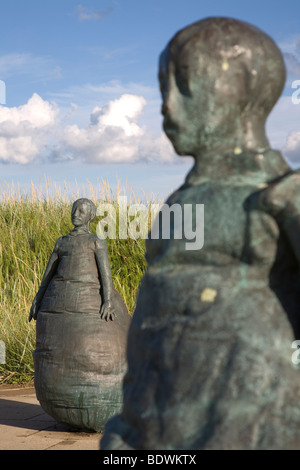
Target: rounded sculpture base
column 79, row 362
column 88, row 419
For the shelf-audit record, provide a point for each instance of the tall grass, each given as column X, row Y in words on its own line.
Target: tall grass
column 30, row 223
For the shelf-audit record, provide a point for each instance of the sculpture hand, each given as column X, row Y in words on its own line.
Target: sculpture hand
column 107, row 311
column 34, row 310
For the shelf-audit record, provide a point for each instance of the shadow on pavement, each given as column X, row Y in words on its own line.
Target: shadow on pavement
column 29, row 416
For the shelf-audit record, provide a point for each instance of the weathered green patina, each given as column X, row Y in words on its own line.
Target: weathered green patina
column 209, row 348
column 79, row 359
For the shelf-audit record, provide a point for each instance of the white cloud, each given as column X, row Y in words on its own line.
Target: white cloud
column 292, row 148
column 120, row 113
column 36, row 111
column 283, row 129
column 87, row 95
column 35, row 130
column 24, row 130
column 283, row 122
column 115, row 136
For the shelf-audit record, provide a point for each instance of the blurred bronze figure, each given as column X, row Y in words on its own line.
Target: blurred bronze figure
column 81, row 329
column 209, row 347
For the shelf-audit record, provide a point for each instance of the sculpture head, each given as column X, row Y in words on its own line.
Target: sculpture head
column 83, row 212
column 219, row 80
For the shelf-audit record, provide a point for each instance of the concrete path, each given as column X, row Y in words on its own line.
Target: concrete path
column 25, row 426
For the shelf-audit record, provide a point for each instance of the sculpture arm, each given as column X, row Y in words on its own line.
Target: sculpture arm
column 101, row 253
column 282, row 201
column 48, row 274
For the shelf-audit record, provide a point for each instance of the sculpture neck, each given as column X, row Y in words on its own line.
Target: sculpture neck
column 263, row 166
column 82, row 229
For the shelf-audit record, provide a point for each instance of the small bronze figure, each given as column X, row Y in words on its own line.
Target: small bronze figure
column 79, row 359
column 209, row 347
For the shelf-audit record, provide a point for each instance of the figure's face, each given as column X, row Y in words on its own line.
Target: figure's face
column 80, row 214
column 181, row 106
column 194, row 95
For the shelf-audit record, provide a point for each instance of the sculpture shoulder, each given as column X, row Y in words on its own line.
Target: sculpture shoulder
column 288, row 184
column 100, row 243
column 59, row 243
column 282, row 194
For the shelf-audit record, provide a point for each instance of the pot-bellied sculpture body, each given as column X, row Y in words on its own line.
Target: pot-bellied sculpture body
column 209, row 347
column 81, row 330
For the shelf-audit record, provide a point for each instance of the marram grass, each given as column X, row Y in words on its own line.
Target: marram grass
column 30, row 224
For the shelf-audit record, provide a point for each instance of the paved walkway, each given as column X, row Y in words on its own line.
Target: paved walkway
column 25, row 426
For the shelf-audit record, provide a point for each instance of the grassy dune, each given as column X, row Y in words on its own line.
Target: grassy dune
column 30, row 223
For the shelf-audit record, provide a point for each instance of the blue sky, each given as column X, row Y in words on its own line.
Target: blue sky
column 82, row 96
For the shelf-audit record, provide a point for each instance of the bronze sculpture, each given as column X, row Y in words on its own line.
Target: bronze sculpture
column 213, row 328
column 79, row 358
